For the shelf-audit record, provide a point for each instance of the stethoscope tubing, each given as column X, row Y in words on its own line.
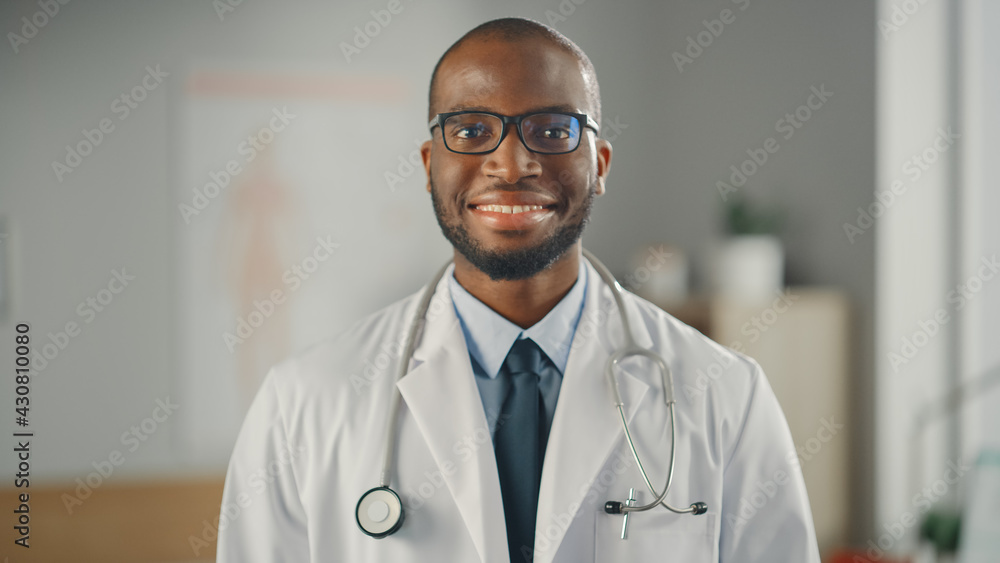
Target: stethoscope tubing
column 416, row 326
column 629, row 349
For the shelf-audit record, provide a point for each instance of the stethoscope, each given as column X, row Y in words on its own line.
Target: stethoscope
column 379, row 512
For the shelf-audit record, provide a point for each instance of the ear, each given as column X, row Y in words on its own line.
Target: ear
column 425, row 155
column 603, row 149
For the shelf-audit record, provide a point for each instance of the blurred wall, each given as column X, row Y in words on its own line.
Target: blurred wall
column 937, row 246
column 914, row 243
column 677, row 130
column 981, row 235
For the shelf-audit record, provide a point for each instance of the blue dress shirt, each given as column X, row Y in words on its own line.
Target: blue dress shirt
column 490, row 337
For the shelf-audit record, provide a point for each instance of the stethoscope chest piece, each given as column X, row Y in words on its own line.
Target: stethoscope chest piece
column 379, row 512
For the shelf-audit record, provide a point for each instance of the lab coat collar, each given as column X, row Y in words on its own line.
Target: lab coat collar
column 441, row 395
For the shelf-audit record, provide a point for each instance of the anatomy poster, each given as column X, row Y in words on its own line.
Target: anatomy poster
column 285, row 231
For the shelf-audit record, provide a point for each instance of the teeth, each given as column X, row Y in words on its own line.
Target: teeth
column 509, row 208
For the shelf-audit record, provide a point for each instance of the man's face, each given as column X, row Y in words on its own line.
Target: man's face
column 513, row 79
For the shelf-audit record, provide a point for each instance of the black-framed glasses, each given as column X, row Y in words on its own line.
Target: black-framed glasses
column 481, row 132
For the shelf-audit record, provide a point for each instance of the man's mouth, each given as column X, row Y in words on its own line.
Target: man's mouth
column 504, row 210
column 511, row 208
column 512, row 217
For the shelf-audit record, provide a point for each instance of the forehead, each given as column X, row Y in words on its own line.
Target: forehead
column 510, row 77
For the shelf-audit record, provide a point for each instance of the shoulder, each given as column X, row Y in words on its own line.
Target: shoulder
column 366, row 351
column 712, row 383
column 703, row 369
column 664, row 329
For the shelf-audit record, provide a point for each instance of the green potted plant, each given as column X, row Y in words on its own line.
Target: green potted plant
column 750, row 261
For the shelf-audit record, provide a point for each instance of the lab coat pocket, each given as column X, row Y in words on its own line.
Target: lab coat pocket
column 656, row 535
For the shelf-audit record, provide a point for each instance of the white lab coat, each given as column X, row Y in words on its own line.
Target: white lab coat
column 313, row 441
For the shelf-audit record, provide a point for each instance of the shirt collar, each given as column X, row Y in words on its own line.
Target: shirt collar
column 490, row 336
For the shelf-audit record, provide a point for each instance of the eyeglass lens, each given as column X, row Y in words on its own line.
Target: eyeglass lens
column 542, row 132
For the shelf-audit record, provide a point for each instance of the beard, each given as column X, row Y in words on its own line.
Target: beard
column 515, row 264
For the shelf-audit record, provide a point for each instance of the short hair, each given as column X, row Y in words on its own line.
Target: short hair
column 518, row 29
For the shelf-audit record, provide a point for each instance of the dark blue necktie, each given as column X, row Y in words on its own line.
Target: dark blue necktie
column 519, row 443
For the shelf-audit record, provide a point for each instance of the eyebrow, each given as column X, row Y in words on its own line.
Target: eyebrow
column 566, row 108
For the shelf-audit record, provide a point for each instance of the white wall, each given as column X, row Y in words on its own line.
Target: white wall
column 913, row 244
column 937, row 71
column 981, row 230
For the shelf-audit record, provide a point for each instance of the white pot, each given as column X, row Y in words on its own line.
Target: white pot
column 658, row 272
column 749, row 267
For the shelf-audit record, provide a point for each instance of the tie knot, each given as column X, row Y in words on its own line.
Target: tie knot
column 525, row 357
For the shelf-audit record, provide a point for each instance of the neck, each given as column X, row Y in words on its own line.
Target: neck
column 522, row 302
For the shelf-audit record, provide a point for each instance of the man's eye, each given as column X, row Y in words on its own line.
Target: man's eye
column 470, row 132
column 556, row 133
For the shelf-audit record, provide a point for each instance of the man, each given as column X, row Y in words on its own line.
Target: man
column 508, row 441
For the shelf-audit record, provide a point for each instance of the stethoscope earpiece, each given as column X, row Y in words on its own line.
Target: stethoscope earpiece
column 379, row 512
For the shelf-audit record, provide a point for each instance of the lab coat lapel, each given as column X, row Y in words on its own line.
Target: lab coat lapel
column 586, row 428
column 442, row 397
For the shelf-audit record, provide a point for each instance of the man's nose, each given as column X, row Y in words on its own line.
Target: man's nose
column 512, row 161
